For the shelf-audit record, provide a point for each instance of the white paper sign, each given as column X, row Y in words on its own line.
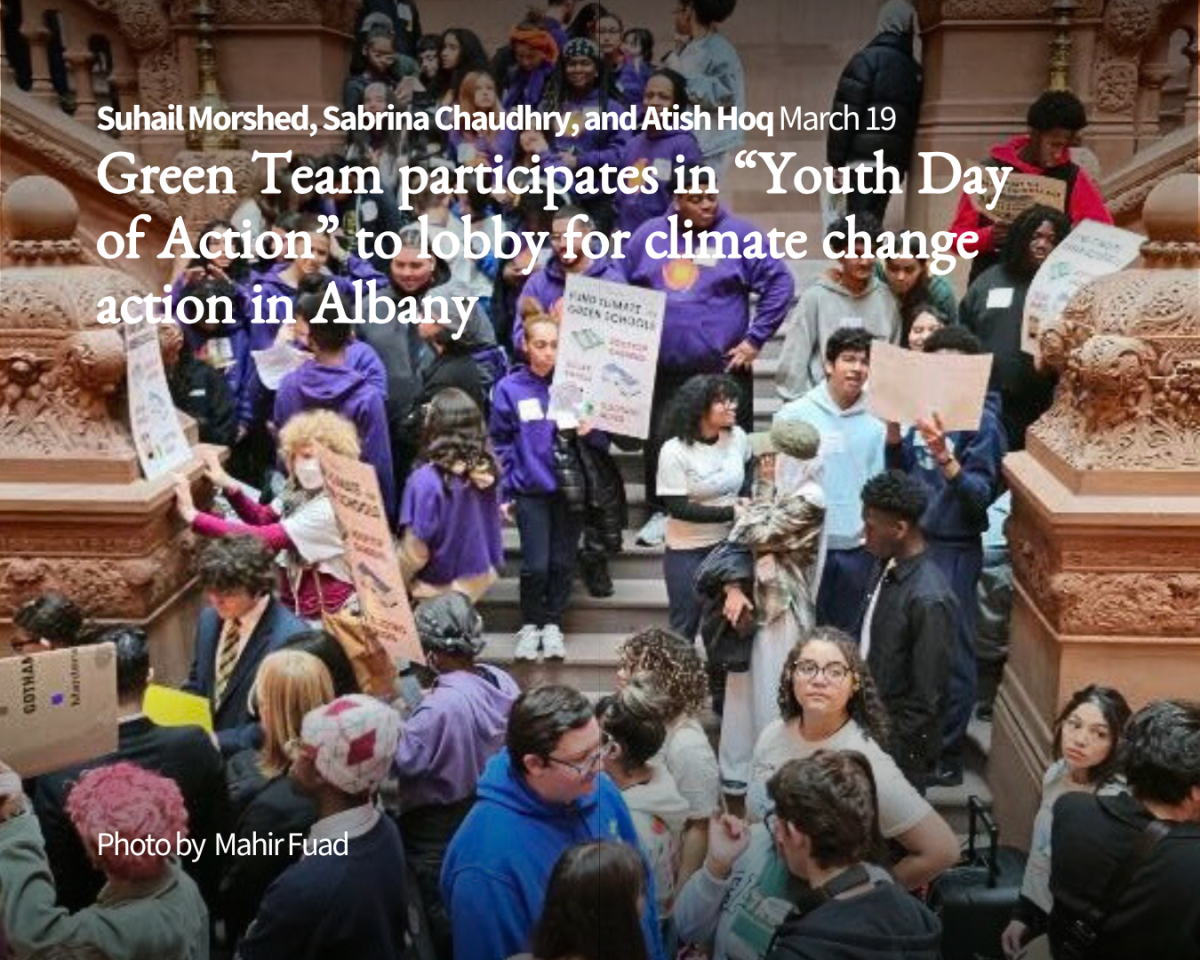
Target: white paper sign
column 1091, row 250
column 608, row 354
column 276, row 362
column 157, row 435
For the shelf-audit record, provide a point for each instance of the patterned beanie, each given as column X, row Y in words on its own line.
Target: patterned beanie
column 352, row 741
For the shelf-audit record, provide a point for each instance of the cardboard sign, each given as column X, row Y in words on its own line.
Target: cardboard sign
column 353, row 489
column 1021, row 191
column 169, row 707
column 157, row 435
column 608, row 355
column 1091, row 250
column 58, row 708
column 907, row 385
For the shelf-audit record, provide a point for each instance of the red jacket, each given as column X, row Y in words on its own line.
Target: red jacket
column 1084, row 201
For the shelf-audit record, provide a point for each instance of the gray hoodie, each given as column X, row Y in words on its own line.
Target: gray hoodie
column 824, row 307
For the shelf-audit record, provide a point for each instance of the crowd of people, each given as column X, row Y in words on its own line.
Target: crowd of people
column 823, row 578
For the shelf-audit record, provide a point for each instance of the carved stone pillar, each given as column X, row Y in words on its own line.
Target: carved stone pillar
column 75, row 514
column 1191, row 105
column 39, row 63
column 80, row 63
column 1105, row 528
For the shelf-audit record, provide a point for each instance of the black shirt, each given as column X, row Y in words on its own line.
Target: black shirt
column 1158, row 914
column 912, row 634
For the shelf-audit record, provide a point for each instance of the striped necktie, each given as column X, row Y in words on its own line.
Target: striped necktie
column 227, row 654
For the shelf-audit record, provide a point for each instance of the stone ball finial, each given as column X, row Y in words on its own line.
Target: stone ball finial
column 40, row 208
column 1172, row 210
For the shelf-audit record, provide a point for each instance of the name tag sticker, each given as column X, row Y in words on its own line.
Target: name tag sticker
column 530, row 409
column 662, row 168
column 999, row 298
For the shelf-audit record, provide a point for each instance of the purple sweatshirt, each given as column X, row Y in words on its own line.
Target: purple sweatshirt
column 708, row 305
column 459, row 522
column 456, row 729
column 643, row 151
column 527, row 89
column 316, row 386
column 593, row 148
column 547, row 286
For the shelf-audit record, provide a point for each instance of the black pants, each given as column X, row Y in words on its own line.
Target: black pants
column 427, row 832
column 549, row 541
column 666, row 385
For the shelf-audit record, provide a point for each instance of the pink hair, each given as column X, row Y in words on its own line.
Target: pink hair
column 124, row 799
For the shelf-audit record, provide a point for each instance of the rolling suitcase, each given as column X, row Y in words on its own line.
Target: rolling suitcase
column 975, row 900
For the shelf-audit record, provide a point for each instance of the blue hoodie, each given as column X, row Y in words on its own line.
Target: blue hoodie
column 851, row 452
column 498, row 865
column 345, row 391
column 958, row 508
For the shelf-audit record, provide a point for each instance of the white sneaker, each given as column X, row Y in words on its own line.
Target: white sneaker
column 552, row 643
column 654, row 532
column 529, row 641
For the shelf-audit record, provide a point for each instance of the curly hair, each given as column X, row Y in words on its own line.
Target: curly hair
column 865, row 706
column 671, row 666
column 1115, row 710
column 1020, row 236
column 288, row 685
column 896, row 493
column 831, row 798
column 52, row 616
column 455, row 438
column 331, row 430
column 236, row 563
column 1056, row 110
column 693, row 401
column 125, row 799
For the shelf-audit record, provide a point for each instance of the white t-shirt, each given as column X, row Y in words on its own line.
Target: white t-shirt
column 710, row 474
column 900, row 806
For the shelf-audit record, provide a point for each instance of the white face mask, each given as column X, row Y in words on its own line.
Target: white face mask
column 307, row 471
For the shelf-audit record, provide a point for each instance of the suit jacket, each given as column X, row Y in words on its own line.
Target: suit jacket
column 183, row 754
column 236, row 728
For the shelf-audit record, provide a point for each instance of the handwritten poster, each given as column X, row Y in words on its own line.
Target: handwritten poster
column 907, row 385
column 1022, row 191
column 276, row 362
column 58, row 708
column 1091, row 250
column 370, row 553
column 608, row 355
column 161, row 444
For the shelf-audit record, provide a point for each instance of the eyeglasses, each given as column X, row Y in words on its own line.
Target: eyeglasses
column 833, row 672
column 591, row 763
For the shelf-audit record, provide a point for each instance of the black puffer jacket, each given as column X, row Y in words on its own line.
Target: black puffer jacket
column 725, row 644
column 882, row 74
column 607, row 511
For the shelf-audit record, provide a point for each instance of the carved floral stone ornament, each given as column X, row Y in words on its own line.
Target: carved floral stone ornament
column 60, row 371
column 1127, row 349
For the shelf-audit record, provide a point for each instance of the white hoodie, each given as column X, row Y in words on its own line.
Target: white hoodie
column 659, row 813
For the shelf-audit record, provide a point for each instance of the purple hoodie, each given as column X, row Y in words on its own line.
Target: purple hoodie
column 527, row 89
column 263, row 334
column 457, row 520
column 456, row 729
column 593, row 148
column 547, row 286
column 521, row 434
column 708, row 305
column 316, row 386
column 634, row 209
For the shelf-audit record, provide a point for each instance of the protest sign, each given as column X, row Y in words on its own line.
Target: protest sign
column 353, row 489
column 276, row 362
column 607, row 355
column 1092, row 250
column 58, row 708
column 157, row 435
column 169, row 707
column 1021, row 191
column 907, row 385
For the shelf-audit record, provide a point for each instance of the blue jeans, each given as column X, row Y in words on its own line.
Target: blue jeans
column 961, row 563
column 549, row 541
column 679, row 570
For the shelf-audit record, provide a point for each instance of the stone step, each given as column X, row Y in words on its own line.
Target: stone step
column 637, row 603
column 591, row 663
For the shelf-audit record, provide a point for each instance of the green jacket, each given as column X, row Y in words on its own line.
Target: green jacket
column 164, row 919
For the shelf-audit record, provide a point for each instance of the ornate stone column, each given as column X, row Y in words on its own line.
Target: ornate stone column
column 75, row 514
column 1105, row 529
